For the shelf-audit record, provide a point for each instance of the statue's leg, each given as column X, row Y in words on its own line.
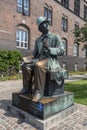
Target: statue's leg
column 27, row 79
column 40, row 75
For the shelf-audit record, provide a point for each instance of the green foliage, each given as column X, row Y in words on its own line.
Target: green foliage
column 80, row 90
column 11, row 77
column 81, row 34
column 9, row 61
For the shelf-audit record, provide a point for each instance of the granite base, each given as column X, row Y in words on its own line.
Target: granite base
column 44, row 108
column 50, row 123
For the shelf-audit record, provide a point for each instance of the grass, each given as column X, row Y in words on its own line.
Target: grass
column 12, row 77
column 78, row 87
column 77, row 72
column 80, row 90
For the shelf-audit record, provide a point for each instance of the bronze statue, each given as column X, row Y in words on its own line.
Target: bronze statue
column 44, row 59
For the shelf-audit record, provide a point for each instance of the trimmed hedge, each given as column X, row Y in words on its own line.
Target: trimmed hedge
column 9, row 61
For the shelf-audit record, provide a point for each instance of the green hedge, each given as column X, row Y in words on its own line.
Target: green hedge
column 9, row 61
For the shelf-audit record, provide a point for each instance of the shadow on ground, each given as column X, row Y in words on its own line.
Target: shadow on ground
column 6, row 106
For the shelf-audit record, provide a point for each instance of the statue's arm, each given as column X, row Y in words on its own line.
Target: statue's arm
column 58, row 48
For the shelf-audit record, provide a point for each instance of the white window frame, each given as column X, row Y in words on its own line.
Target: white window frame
column 65, row 46
column 21, row 39
column 64, row 65
column 84, row 52
column 76, row 49
column 24, row 9
column 64, row 24
column 85, row 66
column 19, row 5
column 48, row 14
column 76, row 66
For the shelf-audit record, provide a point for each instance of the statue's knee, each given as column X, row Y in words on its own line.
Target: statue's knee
column 37, row 65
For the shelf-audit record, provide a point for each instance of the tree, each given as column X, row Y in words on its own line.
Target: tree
column 81, row 36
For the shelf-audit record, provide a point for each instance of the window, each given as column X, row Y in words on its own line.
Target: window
column 22, row 39
column 23, row 6
column 48, row 14
column 64, row 24
column 76, row 49
column 76, row 67
column 77, row 7
column 64, row 65
column 65, row 3
column 64, row 41
column 85, row 12
column 85, row 66
column 85, row 53
column 19, row 6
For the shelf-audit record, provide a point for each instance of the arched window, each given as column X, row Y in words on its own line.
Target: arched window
column 76, row 66
column 76, row 49
column 85, row 66
column 84, row 52
column 64, row 65
column 22, row 37
column 64, row 41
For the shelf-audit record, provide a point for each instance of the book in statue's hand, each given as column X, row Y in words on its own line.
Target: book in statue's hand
column 27, row 59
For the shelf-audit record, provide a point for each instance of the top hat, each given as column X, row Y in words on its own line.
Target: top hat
column 42, row 19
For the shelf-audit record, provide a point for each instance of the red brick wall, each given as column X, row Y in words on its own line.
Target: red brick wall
column 10, row 18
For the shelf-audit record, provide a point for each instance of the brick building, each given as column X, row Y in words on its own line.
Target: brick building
column 18, row 29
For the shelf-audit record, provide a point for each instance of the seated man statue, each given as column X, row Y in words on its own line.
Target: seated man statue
column 44, row 59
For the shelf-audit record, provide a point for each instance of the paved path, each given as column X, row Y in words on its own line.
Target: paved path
column 76, row 77
column 9, row 121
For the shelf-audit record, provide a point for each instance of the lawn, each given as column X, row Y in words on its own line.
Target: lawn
column 80, row 90
column 77, row 72
column 78, row 87
column 12, row 77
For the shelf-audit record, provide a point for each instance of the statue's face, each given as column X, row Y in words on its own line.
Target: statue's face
column 44, row 27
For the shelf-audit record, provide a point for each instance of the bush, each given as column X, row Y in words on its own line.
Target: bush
column 9, row 61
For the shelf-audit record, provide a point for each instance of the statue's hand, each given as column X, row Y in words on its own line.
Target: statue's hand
column 27, row 59
column 45, row 44
column 35, row 61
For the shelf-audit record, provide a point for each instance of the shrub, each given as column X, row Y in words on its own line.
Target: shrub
column 9, row 61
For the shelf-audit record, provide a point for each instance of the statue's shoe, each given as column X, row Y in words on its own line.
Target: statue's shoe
column 36, row 97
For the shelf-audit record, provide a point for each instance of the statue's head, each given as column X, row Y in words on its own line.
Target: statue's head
column 43, row 24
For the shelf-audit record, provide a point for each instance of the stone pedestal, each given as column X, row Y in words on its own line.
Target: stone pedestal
column 44, row 108
column 50, row 123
